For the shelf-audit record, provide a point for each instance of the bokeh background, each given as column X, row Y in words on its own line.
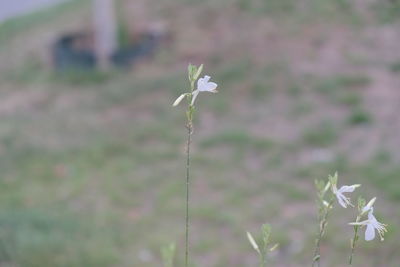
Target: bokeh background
column 92, row 164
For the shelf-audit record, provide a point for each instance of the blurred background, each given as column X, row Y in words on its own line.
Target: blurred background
column 92, row 153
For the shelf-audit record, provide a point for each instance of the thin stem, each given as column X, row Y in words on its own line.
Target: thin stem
column 263, row 258
column 354, row 241
column 189, row 126
column 322, row 225
column 262, row 261
column 189, row 134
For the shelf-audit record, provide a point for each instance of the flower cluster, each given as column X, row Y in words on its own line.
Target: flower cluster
column 326, row 201
column 371, row 223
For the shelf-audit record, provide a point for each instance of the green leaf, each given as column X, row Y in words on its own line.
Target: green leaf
column 190, row 71
column 333, row 179
column 198, row 72
column 194, row 72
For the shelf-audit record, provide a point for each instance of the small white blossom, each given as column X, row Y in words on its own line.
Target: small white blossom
column 203, row 85
column 372, row 225
column 342, row 199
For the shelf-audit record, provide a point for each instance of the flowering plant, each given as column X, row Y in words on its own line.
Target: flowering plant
column 203, row 85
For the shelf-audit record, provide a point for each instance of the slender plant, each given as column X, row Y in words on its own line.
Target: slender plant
column 203, row 85
column 325, row 202
column 323, row 211
column 353, row 241
column 371, row 225
column 263, row 249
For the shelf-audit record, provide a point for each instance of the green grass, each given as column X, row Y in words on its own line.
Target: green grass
column 349, row 98
column 296, row 11
column 36, row 238
column 387, row 11
column 395, row 67
column 331, row 85
column 382, row 175
column 237, row 138
column 359, row 116
column 260, row 91
column 322, row 134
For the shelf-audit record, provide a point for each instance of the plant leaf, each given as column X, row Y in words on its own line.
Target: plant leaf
column 253, row 242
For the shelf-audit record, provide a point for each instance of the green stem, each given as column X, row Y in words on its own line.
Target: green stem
column 354, row 241
column 189, row 127
column 189, row 134
column 262, row 261
column 322, row 225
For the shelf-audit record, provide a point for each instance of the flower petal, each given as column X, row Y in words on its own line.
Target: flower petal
column 206, row 78
column 203, row 84
column 373, row 221
column 202, row 81
column 341, row 200
column 210, row 87
column 369, row 233
column 348, row 188
column 371, row 216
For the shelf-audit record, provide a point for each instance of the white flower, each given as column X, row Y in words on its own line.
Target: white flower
column 203, row 85
column 372, row 225
column 342, row 199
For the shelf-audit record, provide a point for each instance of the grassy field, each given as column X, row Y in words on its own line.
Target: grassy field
column 92, row 165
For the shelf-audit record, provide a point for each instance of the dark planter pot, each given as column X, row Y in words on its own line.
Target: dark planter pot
column 75, row 52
